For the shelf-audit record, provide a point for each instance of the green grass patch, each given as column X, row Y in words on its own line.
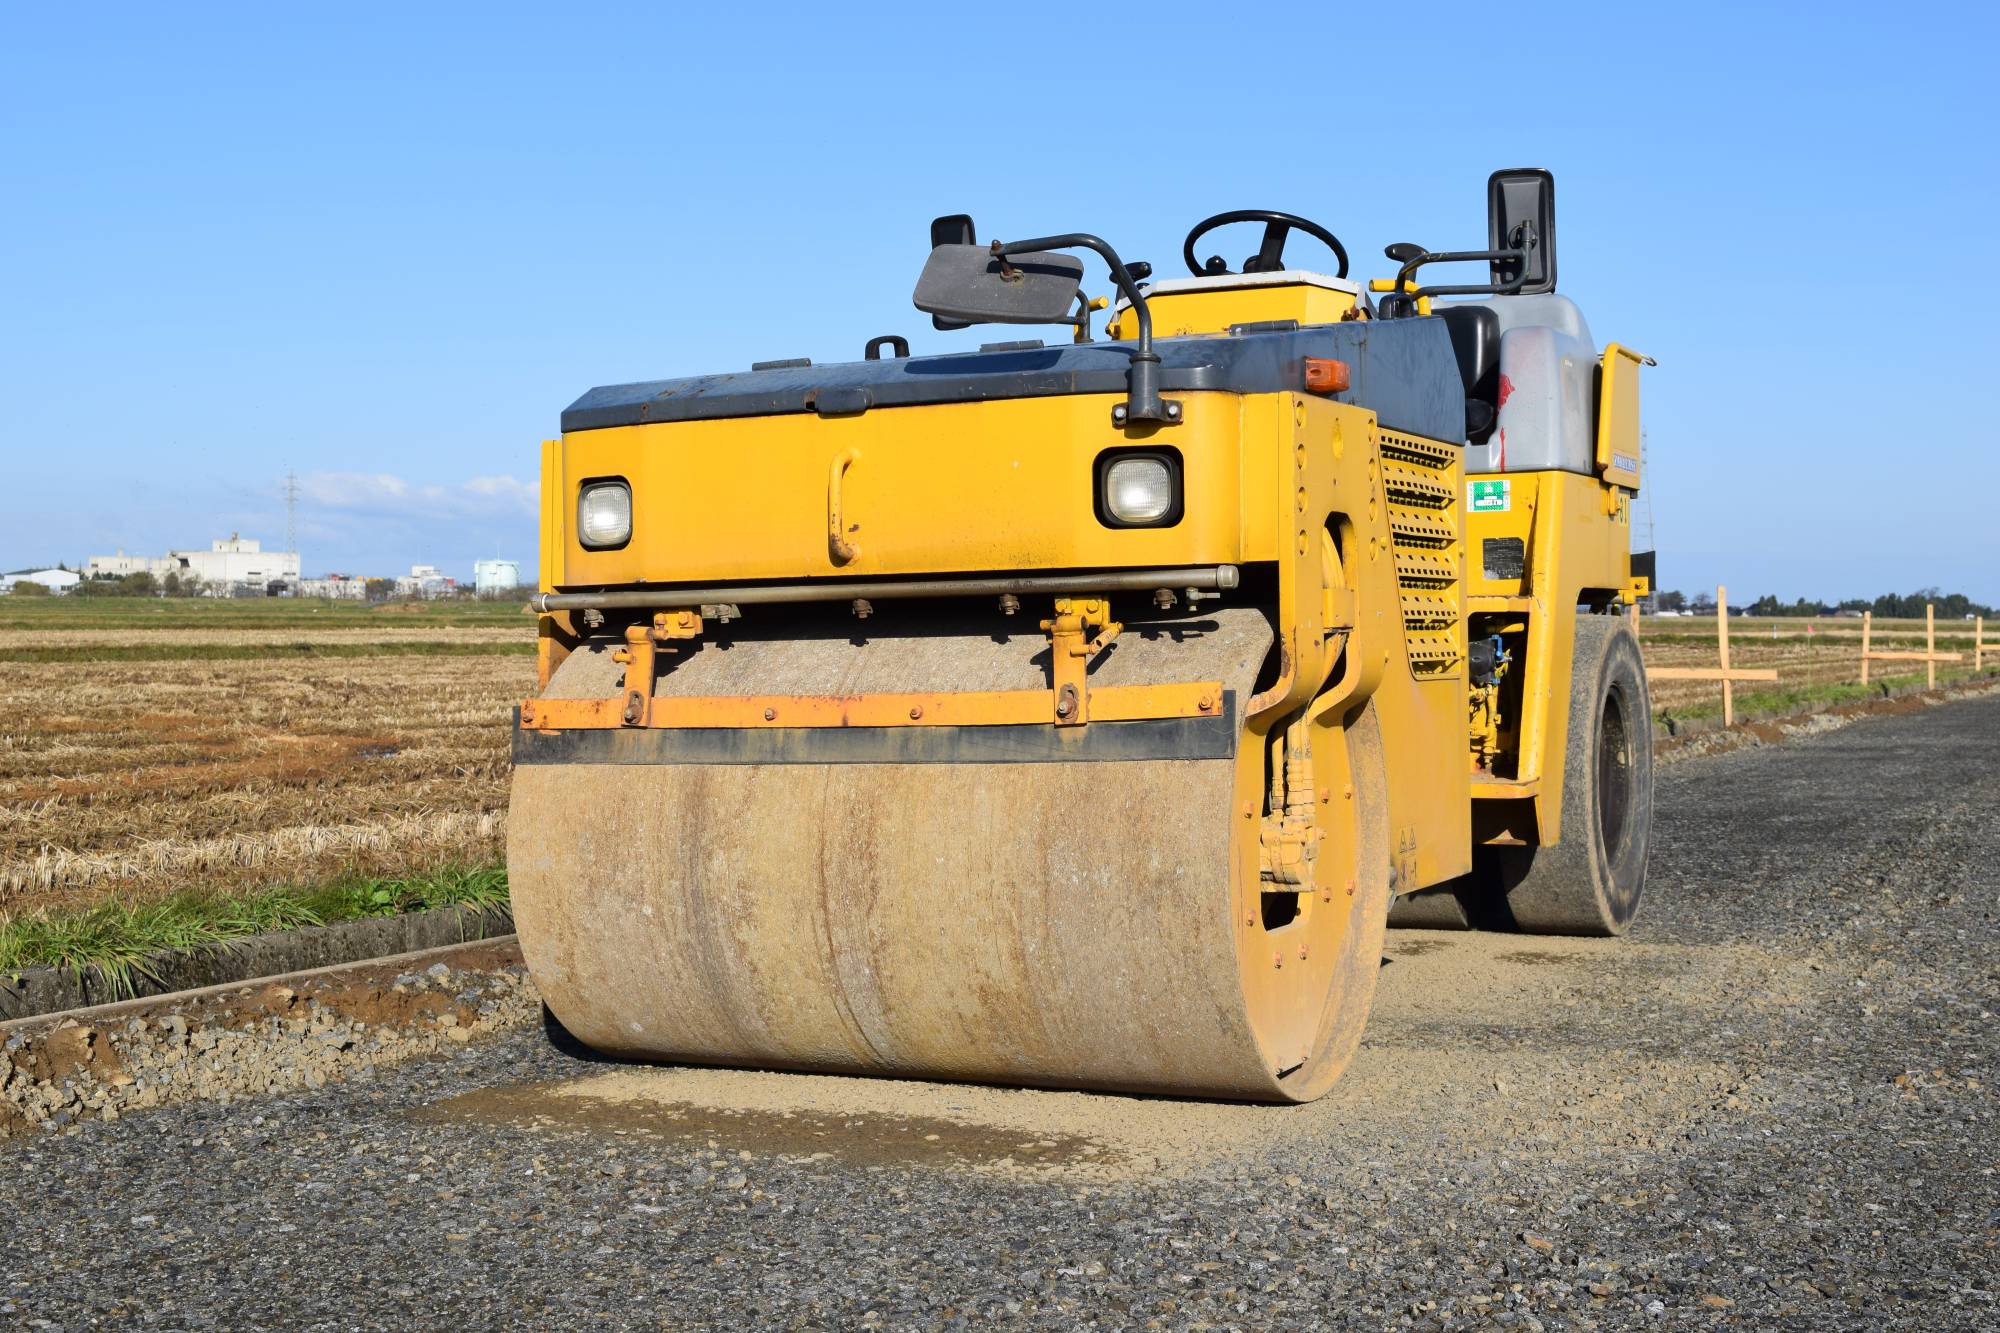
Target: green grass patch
column 120, row 940
column 261, row 652
column 1778, row 701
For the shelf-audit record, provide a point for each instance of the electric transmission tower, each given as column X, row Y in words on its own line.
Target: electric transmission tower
column 292, row 512
column 1646, row 493
column 1646, row 520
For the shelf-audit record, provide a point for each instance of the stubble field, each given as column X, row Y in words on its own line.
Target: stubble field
column 149, row 748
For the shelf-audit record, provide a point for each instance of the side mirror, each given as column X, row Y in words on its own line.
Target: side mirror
column 972, row 284
column 1521, row 215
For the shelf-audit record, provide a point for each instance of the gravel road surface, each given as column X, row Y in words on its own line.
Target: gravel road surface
column 1772, row 1107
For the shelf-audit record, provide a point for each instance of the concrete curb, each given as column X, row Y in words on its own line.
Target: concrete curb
column 47, row 990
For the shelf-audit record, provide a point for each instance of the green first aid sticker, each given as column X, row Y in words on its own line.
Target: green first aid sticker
column 1489, row 497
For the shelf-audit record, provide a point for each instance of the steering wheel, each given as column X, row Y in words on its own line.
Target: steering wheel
column 1270, row 256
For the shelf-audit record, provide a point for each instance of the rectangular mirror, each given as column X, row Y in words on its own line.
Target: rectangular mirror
column 1523, row 195
column 966, row 282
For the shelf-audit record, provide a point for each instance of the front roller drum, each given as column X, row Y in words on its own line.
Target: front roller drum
column 1066, row 925
column 1067, row 909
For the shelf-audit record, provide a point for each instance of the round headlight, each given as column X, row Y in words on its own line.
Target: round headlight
column 1139, row 491
column 604, row 514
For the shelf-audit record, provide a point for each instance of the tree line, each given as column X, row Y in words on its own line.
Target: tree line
column 1889, row 606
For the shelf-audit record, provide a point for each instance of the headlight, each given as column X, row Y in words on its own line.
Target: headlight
column 604, row 514
column 1139, row 489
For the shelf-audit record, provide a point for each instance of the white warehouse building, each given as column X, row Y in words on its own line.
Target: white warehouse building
column 57, row 580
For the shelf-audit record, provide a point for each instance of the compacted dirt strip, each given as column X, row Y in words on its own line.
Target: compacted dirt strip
column 1773, row 1106
column 302, row 1030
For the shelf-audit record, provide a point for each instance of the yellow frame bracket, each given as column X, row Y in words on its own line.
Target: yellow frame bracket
column 1079, row 630
column 640, row 657
column 1070, row 649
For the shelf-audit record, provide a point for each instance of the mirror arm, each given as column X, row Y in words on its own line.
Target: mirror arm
column 1142, row 400
column 1464, row 257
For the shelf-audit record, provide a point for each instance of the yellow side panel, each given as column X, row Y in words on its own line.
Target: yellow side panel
column 1618, row 417
column 554, row 509
column 1355, row 483
column 1177, row 313
column 1574, row 536
column 1003, row 485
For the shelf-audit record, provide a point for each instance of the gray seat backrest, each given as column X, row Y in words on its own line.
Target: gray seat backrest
column 1547, row 396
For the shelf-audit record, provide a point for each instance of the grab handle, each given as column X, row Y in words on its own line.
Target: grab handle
column 837, row 544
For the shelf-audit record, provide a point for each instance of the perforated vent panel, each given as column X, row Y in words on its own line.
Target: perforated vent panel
column 1422, row 479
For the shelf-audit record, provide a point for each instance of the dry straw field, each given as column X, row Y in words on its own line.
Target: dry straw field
column 151, row 747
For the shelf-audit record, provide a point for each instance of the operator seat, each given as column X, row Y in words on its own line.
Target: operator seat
column 1475, row 341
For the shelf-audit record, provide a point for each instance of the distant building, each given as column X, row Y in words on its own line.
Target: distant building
column 341, row 587
column 496, row 576
column 118, row 566
column 228, row 566
column 425, row 581
column 238, row 560
column 57, row 581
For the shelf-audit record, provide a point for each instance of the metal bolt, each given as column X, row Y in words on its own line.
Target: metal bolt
column 916, row 711
column 1302, row 951
column 1277, row 960
column 1064, row 708
column 770, row 714
column 1206, row 703
column 863, row 608
column 1350, row 886
column 1009, row 604
column 1325, row 795
column 1164, row 599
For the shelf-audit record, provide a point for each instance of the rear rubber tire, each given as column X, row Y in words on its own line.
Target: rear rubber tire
column 1591, row 881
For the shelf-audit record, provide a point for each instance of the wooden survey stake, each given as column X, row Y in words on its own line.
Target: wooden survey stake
column 1722, row 671
column 1930, row 656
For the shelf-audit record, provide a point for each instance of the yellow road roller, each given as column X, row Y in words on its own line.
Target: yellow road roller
column 1080, row 710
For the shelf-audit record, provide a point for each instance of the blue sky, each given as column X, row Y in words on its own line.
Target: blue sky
column 385, row 245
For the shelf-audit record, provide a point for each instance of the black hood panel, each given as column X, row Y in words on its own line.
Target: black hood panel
column 1402, row 369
